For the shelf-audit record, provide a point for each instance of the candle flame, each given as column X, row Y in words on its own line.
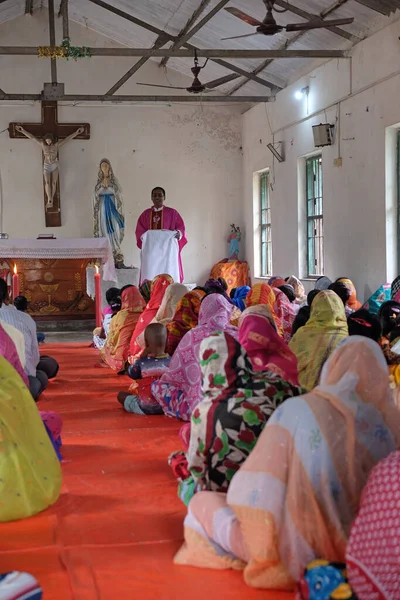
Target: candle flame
column 97, row 270
column 15, row 268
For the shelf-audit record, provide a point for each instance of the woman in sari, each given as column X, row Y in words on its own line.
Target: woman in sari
column 52, row 420
column 285, row 312
column 165, row 313
column 262, row 293
column 228, row 421
column 372, row 555
column 116, row 350
column 296, row 496
column 298, row 287
column 179, row 391
column 159, row 286
column 30, row 474
column 352, row 302
column 266, row 350
column 186, row 318
column 315, row 342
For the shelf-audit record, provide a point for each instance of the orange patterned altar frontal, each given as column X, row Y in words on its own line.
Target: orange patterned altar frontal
column 235, row 273
column 55, row 288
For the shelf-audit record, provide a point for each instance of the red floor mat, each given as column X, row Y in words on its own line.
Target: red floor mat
column 118, row 523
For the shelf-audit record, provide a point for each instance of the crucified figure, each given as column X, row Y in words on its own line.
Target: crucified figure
column 50, row 149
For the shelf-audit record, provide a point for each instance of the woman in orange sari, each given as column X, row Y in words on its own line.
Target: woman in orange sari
column 158, row 289
column 116, row 350
column 262, row 293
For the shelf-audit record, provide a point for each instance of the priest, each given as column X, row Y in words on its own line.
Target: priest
column 160, row 235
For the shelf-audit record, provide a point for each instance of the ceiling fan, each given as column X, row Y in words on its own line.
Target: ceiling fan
column 269, row 26
column 196, row 87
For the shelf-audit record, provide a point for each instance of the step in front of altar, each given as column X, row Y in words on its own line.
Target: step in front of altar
column 65, row 325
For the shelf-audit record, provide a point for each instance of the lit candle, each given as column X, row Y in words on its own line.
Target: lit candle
column 15, row 283
column 97, row 287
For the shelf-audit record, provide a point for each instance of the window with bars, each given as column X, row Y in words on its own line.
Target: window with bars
column 315, row 223
column 265, row 225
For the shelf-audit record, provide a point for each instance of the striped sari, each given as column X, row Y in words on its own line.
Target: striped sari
column 296, row 496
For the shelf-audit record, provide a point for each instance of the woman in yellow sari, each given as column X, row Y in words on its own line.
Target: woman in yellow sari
column 315, row 342
column 30, row 473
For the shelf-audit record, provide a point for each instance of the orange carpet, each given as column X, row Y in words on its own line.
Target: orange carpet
column 118, row 523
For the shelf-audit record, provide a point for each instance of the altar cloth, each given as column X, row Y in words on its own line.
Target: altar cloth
column 96, row 248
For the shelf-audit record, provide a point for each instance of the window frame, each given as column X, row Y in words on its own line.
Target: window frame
column 317, row 218
column 265, row 224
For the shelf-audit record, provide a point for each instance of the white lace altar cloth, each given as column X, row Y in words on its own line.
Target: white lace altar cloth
column 95, row 248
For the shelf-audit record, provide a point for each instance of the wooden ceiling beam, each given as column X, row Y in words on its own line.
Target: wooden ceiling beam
column 189, row 53
column 192, row 20
column 199, row 98
column 189, row 34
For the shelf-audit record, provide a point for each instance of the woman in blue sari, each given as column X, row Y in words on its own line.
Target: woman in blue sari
column 108, row 211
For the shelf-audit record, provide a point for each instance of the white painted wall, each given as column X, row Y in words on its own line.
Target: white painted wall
column 193, row 151
column 359, row 197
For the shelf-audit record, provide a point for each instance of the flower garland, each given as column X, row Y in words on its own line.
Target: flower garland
column 64, row 51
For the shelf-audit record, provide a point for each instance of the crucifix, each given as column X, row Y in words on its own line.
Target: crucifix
column 50, row 135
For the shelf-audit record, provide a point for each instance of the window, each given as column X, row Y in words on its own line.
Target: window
column 315, row 224
column 265, row 225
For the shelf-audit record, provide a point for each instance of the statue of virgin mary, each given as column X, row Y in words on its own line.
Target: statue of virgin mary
column 108, row 210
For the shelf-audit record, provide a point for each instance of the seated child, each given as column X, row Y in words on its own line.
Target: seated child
column 148, row 368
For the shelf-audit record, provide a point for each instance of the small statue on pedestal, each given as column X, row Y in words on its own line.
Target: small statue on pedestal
column 234, row 243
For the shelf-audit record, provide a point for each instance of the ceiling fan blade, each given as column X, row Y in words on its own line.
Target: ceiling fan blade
column 221, row 81
column 318, row 24
column 238, row 37
column 243, row 16
column 168, row 87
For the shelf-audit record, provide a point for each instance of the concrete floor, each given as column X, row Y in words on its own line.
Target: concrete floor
column 68, row 337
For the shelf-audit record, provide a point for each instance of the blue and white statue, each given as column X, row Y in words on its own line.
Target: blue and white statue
column 108, row 210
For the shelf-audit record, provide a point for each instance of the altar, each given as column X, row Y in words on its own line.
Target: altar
column 52, row 274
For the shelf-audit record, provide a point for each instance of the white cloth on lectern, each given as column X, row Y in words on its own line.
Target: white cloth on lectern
column 160, row 254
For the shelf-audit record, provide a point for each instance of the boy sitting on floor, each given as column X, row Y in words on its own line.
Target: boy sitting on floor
column 148, row 368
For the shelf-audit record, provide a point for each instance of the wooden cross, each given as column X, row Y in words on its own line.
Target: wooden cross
column 60, row 131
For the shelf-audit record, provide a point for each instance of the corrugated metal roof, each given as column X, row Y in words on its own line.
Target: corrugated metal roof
column 172, row 15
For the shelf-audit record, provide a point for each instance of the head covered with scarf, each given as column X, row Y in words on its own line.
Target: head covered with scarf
column 352, row 302
column 236, row 405
column 116, row 349
column 262, row 293
column 315, row 342
column 179, row 389
column 159, row 286
column 186, row 318
column 265, row 348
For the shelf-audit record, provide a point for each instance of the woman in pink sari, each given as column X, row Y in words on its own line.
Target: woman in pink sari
column 179, row 390
column 265, row 348
column 51, row 419
column 286, row 313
